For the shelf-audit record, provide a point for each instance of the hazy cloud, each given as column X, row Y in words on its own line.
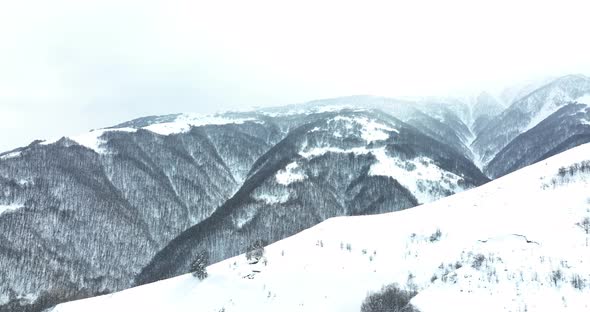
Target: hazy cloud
column 68, row 66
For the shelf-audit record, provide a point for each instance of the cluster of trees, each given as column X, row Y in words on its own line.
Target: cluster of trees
column 583, row 167
column 390, row 299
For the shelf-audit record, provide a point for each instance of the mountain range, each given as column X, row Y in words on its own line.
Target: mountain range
column 134, row 203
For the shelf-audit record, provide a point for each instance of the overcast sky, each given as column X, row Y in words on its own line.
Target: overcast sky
column 68, row 66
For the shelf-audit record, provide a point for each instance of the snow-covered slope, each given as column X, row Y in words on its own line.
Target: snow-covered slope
column 514, row 244
column 162, row 125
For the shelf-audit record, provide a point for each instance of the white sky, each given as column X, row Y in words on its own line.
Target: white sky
column 68, row 66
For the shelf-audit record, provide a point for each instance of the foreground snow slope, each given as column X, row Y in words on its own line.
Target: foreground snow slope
column 513, row 244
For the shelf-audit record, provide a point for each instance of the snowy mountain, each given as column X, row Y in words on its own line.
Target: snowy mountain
column 517, row 91
column 566, row 128
column 526, row 113
column 349, row 163
column 519, row 243
column 104, row 210
column 485, row 108
column 444, row 119
column 87, row 213
column 70, row 206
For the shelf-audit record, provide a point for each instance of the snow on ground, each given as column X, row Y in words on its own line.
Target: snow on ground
column 418, row 175
column 370, row 130
column 319, row 151
column 184, row 122
column 310, row 109
column 273, row 199
column 584, row 99
column 93, row 141
column 584, row 111
column 514, row 244
column 421, row 176
column 9, row 207
column 10, row 155
column 290, row 174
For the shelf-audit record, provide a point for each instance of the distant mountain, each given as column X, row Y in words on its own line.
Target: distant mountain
column 484, row 109
column 571, row 123
column 441, row 118
column 515, row 244
column 521, row 89
column 345, row 163
column 526, row 113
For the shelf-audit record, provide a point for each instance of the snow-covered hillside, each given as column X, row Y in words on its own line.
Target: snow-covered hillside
column 181, row 123
column 514, row 244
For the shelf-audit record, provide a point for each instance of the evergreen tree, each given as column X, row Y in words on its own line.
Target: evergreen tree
column 199, row 265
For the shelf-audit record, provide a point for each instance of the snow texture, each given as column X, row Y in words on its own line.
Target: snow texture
column 415, row 175
column 11, row 155
column 10, row 207
column 184, row 122
column 584, row 99
column 181, row 124
column 371, row 130
column 418, row 175
column 93, row 141
column 290, row 174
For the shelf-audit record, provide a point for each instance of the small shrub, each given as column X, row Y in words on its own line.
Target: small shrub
column 478, row 260
column 433, row 278
column 578, row 282
column 556, row 276
column 255, row 251
column 436, row 236
column 585, row 225
column 390, row 299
